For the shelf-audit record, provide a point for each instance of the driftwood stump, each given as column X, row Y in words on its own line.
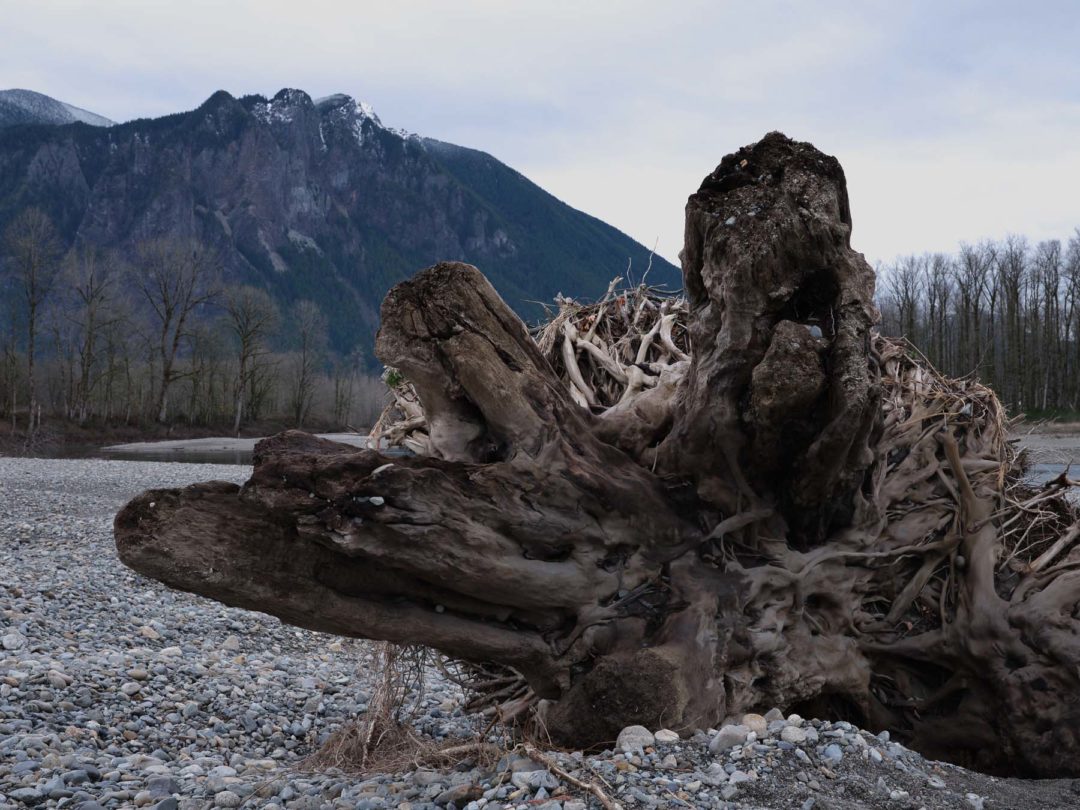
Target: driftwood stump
column 805, row 517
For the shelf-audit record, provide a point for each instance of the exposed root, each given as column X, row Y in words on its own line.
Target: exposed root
column 943, row 441
column 384, row 739
column 608, row 354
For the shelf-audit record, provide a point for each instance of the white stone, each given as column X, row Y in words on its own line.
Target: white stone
column 632, row 738
column 728, row 737
column 666, row 736
column 793, row 734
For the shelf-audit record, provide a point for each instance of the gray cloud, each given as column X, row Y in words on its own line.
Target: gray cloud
column 954, row 120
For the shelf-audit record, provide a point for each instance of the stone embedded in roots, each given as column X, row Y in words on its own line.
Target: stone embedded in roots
column 797, row 515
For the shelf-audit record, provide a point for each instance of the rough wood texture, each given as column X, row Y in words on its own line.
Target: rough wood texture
column 801, row 516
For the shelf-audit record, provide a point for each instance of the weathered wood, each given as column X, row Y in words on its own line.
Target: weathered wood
column 800, row 515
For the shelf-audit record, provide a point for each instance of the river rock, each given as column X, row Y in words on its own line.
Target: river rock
column 728, row 737
column 633, row 738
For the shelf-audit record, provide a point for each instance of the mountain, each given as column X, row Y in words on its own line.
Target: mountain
column 314, row 199
column 28, row 107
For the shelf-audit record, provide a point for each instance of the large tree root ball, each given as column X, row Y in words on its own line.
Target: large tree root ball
column 668, row 511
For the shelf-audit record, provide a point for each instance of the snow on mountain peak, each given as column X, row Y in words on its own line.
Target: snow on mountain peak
column 29, row 107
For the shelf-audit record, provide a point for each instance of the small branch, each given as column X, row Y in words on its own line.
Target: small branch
column 593, row 788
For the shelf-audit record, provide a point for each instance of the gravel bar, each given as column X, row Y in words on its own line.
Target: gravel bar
column 118, row 692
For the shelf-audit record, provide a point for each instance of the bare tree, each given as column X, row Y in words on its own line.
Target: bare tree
column 906, row 282
column 252, row 317
column 972, row 271
column 174, row 278
column 34, row 251
column 309, row 327
column 1071, row 317
column 1011, row 270
column 90, row 281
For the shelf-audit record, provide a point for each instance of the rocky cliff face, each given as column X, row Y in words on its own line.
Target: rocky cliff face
column 313, row 199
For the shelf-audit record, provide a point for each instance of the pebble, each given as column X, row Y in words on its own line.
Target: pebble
column 793, row 734
column 13, row 641
column 728, row 737
column 633, row 738
column 756, row 723
column 666, row 736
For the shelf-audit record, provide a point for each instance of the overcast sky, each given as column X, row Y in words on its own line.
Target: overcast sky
column 954, row 120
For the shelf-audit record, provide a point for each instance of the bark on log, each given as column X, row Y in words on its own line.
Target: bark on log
column 811, row 520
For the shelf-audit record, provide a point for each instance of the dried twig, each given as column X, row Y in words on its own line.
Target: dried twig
column 539, row 756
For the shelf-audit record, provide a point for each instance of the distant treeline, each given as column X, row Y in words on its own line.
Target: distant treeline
column 157, row 336
column 88, row 336
column 1006, row 311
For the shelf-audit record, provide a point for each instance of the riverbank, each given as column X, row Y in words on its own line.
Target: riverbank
column 61, row 439
column 215, row 449
column 116, row 691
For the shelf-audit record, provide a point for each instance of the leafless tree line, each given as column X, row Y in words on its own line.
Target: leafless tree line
column 1006, row 311
column 91, row 336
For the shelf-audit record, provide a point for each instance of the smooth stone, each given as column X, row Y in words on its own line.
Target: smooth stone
column 756, row 723
column 523, row 764
column 728, row 737
column 666, row 736
column 532, row 780
column 632, row 738
column 833, row 753
column 162, row 786
column 793, row 734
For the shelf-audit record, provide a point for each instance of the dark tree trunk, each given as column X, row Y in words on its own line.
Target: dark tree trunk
column 813, row 521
